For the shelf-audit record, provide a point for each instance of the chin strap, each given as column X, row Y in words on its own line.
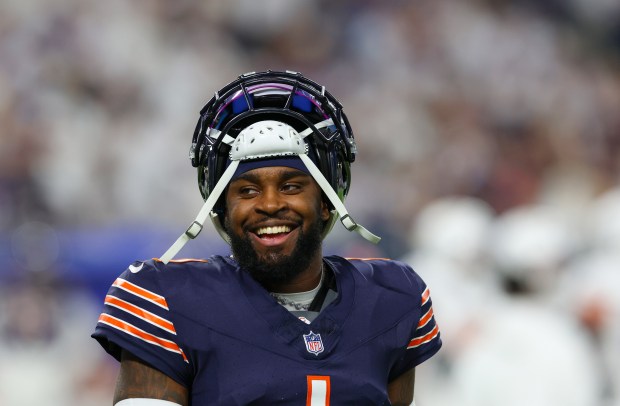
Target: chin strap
column 196, row 227
column 345, row 218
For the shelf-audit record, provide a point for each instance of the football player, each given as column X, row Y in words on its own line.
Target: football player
column 276, row 322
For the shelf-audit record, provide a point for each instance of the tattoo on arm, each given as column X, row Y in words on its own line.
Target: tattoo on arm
column 400, row 390
column 139, row 380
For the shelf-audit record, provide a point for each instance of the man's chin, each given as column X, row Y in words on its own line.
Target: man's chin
column 271, row 260
column 274, row 265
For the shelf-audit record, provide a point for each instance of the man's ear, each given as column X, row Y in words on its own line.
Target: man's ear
column 221, row 207
column 325, row 212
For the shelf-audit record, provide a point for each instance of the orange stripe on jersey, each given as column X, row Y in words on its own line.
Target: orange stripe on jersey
column 141, row 334
column 426, row 318
column 425, row 296
column 416, row 342
column 141, row 292
column 140, row 313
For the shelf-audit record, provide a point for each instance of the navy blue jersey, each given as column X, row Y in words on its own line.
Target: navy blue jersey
column 210, row 326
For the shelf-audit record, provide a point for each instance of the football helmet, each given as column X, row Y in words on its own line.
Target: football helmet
column 270, row 115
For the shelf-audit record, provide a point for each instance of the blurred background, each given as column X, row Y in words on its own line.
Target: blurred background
column 489, row 159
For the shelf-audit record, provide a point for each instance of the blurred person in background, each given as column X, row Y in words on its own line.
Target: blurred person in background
column 520, row 337
column 43, row 359
column 32, row 347
column 508, row 341
column 589, row 287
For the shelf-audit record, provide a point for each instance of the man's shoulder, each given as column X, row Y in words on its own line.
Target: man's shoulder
column 371, row 267
column 391, row 274
column 215, row 263
column 377, row 263
column 154, row 272
column 386, row 293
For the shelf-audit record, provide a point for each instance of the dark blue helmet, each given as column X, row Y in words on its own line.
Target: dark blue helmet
column 265, row 116
column 286, row 97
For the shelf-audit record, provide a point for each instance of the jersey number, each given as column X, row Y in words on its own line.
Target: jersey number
column 318, row 390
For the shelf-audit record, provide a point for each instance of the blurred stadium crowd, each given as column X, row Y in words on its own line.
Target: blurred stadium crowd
column 489, row 138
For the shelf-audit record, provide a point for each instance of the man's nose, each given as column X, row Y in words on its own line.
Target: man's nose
column 270, row 201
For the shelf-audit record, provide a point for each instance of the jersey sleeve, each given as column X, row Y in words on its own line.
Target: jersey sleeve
column 424, row 338
column 136, row 317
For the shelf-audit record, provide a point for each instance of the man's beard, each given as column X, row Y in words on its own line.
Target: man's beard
column 275, row 268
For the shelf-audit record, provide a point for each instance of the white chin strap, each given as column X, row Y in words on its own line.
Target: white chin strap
column 266, row 139
column 347, row 221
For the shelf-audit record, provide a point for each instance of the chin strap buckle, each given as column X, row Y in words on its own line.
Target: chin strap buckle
column 193, row 230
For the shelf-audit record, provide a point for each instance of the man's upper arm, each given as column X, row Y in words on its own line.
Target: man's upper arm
column 400, row 390
column 139, row 380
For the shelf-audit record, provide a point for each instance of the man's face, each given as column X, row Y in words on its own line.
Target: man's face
column 275, row 216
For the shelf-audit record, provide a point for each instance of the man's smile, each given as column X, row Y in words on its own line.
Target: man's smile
column 270, row 231
column 273, row 236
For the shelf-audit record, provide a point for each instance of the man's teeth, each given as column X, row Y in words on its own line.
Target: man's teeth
column 273, row 230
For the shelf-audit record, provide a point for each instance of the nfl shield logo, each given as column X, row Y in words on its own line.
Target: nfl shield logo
column 314, row 344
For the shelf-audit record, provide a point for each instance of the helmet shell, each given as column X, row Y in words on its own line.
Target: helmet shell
column 286, row 97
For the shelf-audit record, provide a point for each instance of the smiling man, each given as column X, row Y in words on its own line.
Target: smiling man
column 276, row 322
column 275, row 220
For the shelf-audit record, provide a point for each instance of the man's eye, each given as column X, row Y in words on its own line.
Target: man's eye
column 290, row 187
column 247, row 191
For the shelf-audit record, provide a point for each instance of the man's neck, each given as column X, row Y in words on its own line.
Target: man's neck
column 305, row 281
